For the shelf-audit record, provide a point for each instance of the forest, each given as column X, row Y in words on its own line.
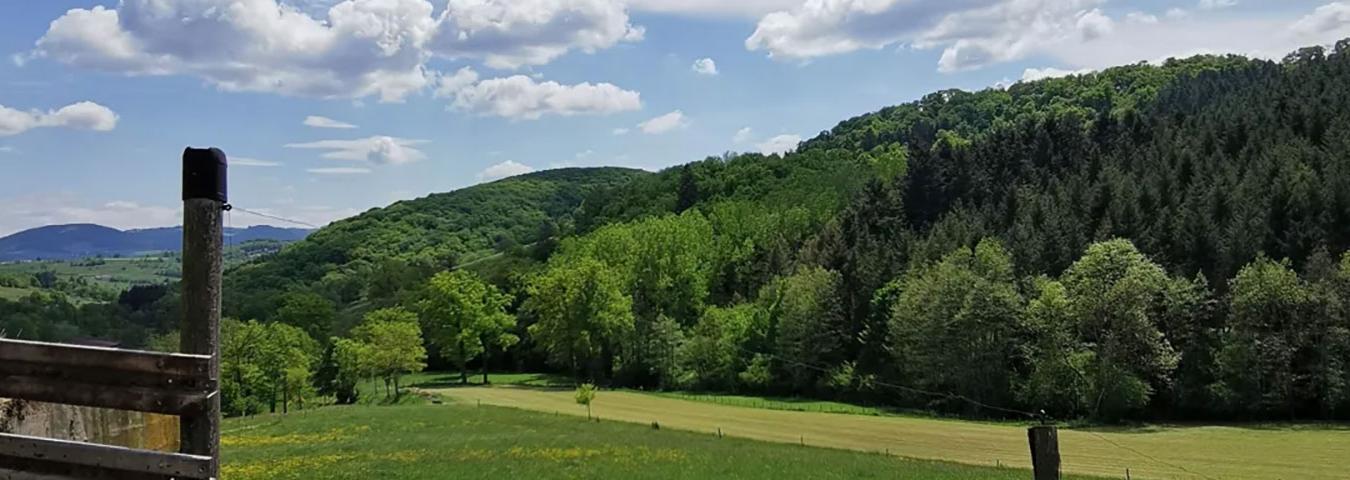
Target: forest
column 1148, row 242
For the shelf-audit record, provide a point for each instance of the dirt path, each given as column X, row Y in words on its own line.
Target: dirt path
column 1180, row 452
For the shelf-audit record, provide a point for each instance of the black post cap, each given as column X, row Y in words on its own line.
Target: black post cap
column 204, row 174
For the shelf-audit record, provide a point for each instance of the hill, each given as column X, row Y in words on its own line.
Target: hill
column 74, row 241
column 395, row 243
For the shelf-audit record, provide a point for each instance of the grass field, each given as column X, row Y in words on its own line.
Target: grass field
column 1198, row 452
column 9, row 293
column 464, row 441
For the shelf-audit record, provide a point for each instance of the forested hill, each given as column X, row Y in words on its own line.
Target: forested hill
column 1148, row 241
column 403, row 240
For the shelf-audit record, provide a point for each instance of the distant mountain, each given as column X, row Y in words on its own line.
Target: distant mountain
column 61, row 242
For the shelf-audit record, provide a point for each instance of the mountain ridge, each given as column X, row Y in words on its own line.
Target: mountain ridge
column 79, row 240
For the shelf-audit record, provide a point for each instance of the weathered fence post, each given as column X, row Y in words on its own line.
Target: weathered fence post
column 204, row 197
column 1044, row 441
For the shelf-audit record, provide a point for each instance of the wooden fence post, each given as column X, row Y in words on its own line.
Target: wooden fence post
column 1044, row 441
column 204, row 198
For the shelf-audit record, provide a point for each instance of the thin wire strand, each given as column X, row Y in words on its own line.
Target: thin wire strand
column 1147, row 456
column 274, row 217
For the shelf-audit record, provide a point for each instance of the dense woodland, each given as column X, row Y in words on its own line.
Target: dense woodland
column 1147, row 242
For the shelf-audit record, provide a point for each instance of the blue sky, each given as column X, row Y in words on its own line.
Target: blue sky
column 98, row 98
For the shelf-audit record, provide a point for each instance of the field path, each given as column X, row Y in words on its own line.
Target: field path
column 1173, row 452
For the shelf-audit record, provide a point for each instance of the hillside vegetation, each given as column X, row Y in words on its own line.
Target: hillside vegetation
column 1146, row 242
column 372, row 254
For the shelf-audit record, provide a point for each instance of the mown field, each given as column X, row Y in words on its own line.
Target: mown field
column 1199, row 452
column 462, row 440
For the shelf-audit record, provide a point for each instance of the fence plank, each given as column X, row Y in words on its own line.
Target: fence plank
column 118, row 460
column 78, row 356
column 138, row 399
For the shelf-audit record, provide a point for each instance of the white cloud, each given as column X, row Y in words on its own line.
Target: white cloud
column 56, row 208
column 1141, row 17
column 251, row 162
column 620, row 131
column 1333, row 18
column 325, row 122
column 1033, row 74
column 521, row 97
column 505, row 169
column 972, row 34
column 705, row 66
column 81, row 116
column 340, row 171
column 665, row 123
column 584, row 154
column 379, row 150
column 779, row 145
column 509, row 34
column 1216, row 4
column 6, row 149
column 743, row 135
column 356, row 49
column 714, row 8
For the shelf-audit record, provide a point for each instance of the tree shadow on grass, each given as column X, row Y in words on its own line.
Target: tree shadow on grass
column 544, row 381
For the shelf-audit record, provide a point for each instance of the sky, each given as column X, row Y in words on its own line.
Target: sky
column 328, row 108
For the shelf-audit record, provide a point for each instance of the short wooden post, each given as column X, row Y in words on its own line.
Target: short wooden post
column 204, row 197
column 1044, row 440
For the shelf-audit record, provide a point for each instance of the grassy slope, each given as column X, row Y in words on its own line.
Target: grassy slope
column 463, row 441
column 1160, row 452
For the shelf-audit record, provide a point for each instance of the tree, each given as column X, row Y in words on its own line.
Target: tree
column 308, row 311
column 957, row 325
column 715, row 349
column 1269, row 334
column 392, row 347
column 806, row 315
column 466, row 317
column 584, row 395
column 1114, row 293
column 582, row 312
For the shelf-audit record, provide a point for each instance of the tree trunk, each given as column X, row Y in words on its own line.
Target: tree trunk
column 396, row 391
column 463, row 365
column 486, row 356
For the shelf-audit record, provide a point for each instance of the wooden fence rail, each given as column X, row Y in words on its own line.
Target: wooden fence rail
column 168, row 383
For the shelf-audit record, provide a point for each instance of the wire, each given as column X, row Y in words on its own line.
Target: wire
column 1147, row 456
column 273, row 217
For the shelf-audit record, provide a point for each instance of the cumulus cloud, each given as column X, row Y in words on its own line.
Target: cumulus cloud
column 1216, row 4
column 743, row 135
column 705, row 66
column 620, row 131
column 973, row 34
column 356, row 49
column 378, row 150
column 504, row 169
column 664, row 123
column 521, row 97
column 325, row 122
column 780, row 144
column 1332, row 18
column 714, row 8
column 251, row 162
column 80, row 116
column 509, row 34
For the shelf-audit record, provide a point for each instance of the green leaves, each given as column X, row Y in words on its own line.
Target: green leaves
column 466, row 316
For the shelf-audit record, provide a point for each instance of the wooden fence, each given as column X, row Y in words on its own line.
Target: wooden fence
column 182, row 384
